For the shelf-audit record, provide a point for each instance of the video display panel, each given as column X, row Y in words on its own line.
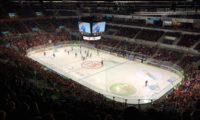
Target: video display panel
column 98, row 27
column 84, row 27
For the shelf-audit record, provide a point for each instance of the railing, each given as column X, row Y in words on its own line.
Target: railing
column 122, row 53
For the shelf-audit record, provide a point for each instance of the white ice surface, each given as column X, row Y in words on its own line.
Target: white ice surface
column 114, row 70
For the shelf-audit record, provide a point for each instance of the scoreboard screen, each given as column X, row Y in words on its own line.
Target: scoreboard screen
column 91, row 31
column 84, row 27
column 98, row 27
column 91, row 38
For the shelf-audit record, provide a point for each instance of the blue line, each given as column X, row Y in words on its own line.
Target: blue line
column 103, row 70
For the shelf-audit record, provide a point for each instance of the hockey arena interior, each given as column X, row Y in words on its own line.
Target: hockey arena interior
column 100, row 60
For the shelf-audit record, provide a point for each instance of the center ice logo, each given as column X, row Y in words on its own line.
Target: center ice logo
column 91, row 65
column 122, row 89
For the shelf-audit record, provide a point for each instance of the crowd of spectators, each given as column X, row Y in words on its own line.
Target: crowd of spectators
column 168, row 55
column 21, row 99
column 127, row 32
column 188, row 60
column 188, row 40
column 198, row 47
column 142, row 23
column 173, row 34
column 185, row 99
column 150, row 35
column 152, row 52
column 26, row 41
column 66, row 99
column 146, row 50
column 17, row 91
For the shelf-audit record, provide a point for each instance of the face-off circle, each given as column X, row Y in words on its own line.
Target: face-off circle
column 91, row 64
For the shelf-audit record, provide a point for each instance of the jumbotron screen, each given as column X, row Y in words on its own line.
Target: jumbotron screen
column 91, row 31
column 98, row 27
column 84, row 27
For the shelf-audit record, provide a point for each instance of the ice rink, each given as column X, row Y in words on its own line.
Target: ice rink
column 116, row 76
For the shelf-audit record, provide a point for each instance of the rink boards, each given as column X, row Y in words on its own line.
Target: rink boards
column 118, row 78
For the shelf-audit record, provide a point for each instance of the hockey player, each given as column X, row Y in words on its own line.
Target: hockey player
column 146, row 82
column 102, row 62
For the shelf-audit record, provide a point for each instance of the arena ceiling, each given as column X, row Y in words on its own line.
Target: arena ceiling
column 113, row 3
column 92, row 6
